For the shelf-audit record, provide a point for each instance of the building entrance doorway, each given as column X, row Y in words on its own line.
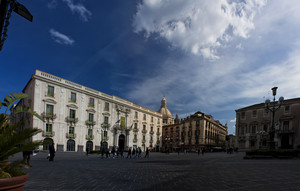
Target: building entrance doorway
column 121, row 142
column 285, row 142
column 70, row 145
column 89, row 144
column 46, row 147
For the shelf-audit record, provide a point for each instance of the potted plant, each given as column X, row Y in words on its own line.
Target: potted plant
column 14, row 140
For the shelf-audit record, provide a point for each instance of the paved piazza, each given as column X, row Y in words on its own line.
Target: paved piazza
column 213, row 171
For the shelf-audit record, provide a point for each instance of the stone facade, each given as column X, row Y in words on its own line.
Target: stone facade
column 77, row 117
column 194, row 132
column 253, row 124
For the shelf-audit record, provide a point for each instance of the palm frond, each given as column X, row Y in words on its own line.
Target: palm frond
column 11, row 98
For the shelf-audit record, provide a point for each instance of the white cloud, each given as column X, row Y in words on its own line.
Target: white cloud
column 60, row 38
column 199, row 27
column 243, row 75
column 233, row 120
column 84, row 13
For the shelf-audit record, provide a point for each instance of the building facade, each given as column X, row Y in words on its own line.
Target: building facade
column 253, row 124
column 77, row 117
column 194, row 132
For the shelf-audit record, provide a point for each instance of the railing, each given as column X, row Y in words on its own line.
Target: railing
column 157, row 133
column 48, row 133
column 105, row 138
column 105, row 125
column 70, row 136
column 135, row 140
column 72, row 100
column 135, row 130
column 89, row 137
column 90, row 123
column 48, row 116
column 71, row 120
column 144, row 131
column 151, row 132
column 91, row 105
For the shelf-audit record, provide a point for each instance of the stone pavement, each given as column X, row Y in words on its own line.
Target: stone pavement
column 213, row 171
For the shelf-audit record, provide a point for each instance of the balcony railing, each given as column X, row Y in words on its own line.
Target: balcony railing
column 72, row 100
column 105, row 138
column 90, row 123
column 151, row 141
column 143, row 141
column 48, row 116
column 89, row 137
column 105, row 125
column 151, row 132
column 70, row 135
column 144, row 131
column 157, row 133
column 135, row 140
column 48, row 133
column 71, row 120
column 135, row 130
column 91, row 105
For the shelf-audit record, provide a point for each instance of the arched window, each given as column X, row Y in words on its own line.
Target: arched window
column 71, row 145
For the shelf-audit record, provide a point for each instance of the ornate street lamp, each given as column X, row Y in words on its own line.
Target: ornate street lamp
column 273, row 107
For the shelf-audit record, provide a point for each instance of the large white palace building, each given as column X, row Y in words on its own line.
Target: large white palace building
column 77, row 117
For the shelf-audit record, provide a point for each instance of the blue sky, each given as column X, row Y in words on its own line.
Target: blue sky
column 212, row 56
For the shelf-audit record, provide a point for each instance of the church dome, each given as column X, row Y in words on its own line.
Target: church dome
column 166, row 114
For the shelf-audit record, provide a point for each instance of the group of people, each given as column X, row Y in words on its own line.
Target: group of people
column 115, row 152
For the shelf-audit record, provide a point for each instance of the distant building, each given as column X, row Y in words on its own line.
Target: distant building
column 168, row 118
column 231, row 141
column 253, row 124
column 77, row 117
column 194, row 132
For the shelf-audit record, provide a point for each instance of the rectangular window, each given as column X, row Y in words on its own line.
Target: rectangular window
column 73, row 97
column 158, row 121
column 144, row 118
column 50, row 91
column 105, row 120
column 136, row 115
column 253, row 130
column 157, row 129
column 144, row 127
column 71, row 131
column 91, row 117
column 49, row 110
column 151, row 118
column 144, row 138
column 243, row 115
column 48, row 128
column 135, row 125
column 197, row 123
column 106, row 107
column 242, row 131
column 90, row 132
column 286, row 125
column 105, row 134
column 135, row 137
column 287, row 109
column 254, row 113
column 72, row 114
column 91, row 102
column 122, row 122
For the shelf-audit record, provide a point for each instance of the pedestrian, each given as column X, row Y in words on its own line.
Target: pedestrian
column 121, row 153
column 113, row 151
column 129, row 153
column 52, row 152
column 202, row 152
column 26, row 157
column 87, row 151
column 147, row 153
column 133, row 153
column 140, row 152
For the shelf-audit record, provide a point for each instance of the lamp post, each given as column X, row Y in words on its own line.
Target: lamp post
column 273, row 107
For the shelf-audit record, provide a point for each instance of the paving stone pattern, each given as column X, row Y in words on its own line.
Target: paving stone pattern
column 213, row 171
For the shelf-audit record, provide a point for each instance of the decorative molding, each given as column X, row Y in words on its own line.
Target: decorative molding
column 48, row 100
column 72, row 106
column 91, row 110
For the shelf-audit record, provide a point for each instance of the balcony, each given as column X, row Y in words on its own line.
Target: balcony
column 105, row 125
column 72, row 100
column 48, row 116
column 90, row 123
column 71, row 120
column 144, row 131
column 70, row 135
column 285, row 131
column 135, row 140
column 91, row 105
column 48, row 133
column 135, row 130
column 143, row 141
column 151, row 132
column 105, row 138
column 89, row 137
column 157, row 133
column 157, row 141
column 151, row 141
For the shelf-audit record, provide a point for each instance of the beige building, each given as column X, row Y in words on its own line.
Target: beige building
column 253, row 124
column 196, row 131
column 77, row 117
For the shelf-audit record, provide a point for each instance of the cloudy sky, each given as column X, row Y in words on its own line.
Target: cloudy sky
column 210, row 56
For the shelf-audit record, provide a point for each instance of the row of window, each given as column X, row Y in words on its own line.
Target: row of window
column 91, row 103
column 254, row 112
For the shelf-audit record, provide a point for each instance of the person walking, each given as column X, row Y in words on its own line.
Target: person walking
column 129, row 153
column 113, row 151
column 147, row 153
column 26, row 157
column 140, row 152
column 87, row 151
column 52, row 152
